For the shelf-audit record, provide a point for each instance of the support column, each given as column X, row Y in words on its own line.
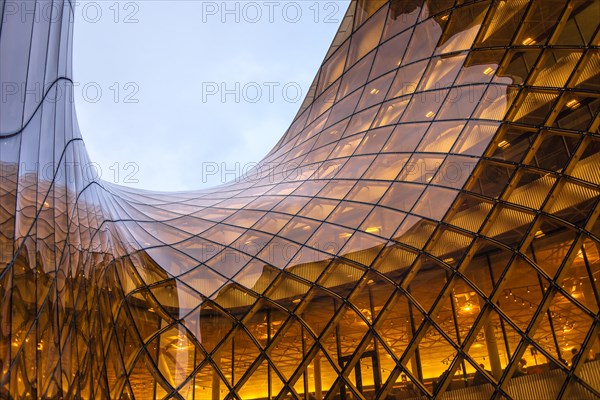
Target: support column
column 317, row 372
column 590, row 298
column 216, row 380
column 414, row 367
column 492, row 348
column 415, row 361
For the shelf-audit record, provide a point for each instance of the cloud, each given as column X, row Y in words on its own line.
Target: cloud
column 162, row 64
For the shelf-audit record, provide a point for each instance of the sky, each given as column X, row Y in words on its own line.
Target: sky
column 181, row 95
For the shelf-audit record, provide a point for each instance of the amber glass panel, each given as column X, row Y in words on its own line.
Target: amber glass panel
column 531, row 188
column 536, row 30
column 356, row 76
column 429, row 271
column 333, row 68
column 426, row 34
column 490, row 179
column 367, row 36
column 440, row 137
column 407, row 79
column 402, row 196
column 424, row 106
column 349, row 214
column 374, row 140
column 402, row 15
column 382, row 222
column 375, row 91
column 434, row 202
column 390, row 112
column 386, row 167
column 368, row 191
column 389, row 55
column 523, row 289
column 406, row 137
column 442, row 72
column 421, row 168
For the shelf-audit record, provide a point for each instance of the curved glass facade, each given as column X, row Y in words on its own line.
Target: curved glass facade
column 426, row 228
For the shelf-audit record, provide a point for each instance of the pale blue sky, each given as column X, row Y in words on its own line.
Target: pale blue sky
column 165, row 55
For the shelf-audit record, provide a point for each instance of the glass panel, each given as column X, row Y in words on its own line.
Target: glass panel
column 461, row 102
column 503, row 23
column 375, row 91
column 362, row 248
column 450, row 246
column 356, row 76
column 556, row 67
column 490, row 179
column 583, row 170
column 374, row 140
column 406, row 137
column 402, row 196
column 462, row 28
column 531, row 188
column 390, row 112
column 361, row 121
column 368, row 191
column 386, row 167
column 481, row 67
column 431, row 278
column 523, row 289
column 530, row 377
column 336, row 189
column 424, row 40
column 510, row 226
column 398, row 324
column 333, row 68
column 349, row 214
column 345, row 147
column 382, row 222
column 329, row 238
column 389, row 55
column 272, row 222
column 355, row 167
column 535, row 107
column 414, row 232
column 402, row 15
column 441, row 72
column 367, row 36
column 435, row 202
column 319, row 209
column 469, row 212
column 344, row 108
column 176, row 360
column 455, row 171
column 407, row 79
column 440, row 137
column 424, row 106
column 394, row 261
column 341, row 278
column 535, row 30
column 581, row 275
column 435, row 354
column 421, row 168
column 551, row 242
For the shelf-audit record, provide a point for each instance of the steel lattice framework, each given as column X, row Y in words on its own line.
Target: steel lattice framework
column 428, row 220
